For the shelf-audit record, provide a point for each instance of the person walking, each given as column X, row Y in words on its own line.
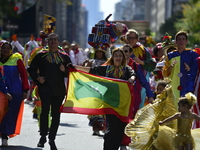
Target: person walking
column 52, row 68
column 181, row 67
column 16, row 81
column 142, row 56
column 115, row 67
column 139, row 83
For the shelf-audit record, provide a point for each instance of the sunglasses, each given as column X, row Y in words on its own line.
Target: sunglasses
column 126, row 51
column 131, row 38
column 52, row 39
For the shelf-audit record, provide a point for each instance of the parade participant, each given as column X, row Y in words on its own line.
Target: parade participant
column 158, row 52
column 96, row 121
column 115, row 68
column 67, row 48
column 79, row 56
column 142, row 56
column 144, row 129
column 183, row 138
column 139, row 83
column 196, row 107
column 52, row 67
column 17, row 82
column 160, row 86
column 161, row 49
column 181, row 66
column 4, row 97
column 25, row 50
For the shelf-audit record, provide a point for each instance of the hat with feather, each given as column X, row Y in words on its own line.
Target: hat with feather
column 168, row 44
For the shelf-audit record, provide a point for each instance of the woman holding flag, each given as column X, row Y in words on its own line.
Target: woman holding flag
column 115, row 68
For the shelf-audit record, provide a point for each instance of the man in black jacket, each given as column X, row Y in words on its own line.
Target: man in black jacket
column 48, row 70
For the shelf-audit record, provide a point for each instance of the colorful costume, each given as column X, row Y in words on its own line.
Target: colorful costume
column 3, row 99
column 140, row 82
column 196, row 107
column 182, row 80
column 144, row 127
column 17, row 82
column 115, row 127
column 146, row 133
column 183, row 135
column 149, row 65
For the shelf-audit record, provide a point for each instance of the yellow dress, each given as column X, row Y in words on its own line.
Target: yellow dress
column 169, row 139
column 146, row 134
column 183, row 135
column 144, row 128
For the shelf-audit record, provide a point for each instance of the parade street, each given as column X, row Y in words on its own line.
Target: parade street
column 73, row 134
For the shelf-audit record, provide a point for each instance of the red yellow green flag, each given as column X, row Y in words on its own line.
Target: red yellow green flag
column 94, row 95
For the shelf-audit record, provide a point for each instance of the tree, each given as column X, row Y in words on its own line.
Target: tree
column 169, row 25
column 190, row 21
column 10, row 8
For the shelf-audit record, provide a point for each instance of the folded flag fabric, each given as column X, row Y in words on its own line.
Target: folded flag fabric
column 95, row 95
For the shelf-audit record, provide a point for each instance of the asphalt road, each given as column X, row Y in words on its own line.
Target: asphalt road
column 73, row 134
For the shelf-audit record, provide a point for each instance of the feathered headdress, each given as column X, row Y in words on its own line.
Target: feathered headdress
column 49, row 24
column 192, row 99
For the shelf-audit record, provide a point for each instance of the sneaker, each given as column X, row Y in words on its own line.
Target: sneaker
column 4, row 142
column 123, row 148
column 96, row 133
column 52, row 145
column 42, row 141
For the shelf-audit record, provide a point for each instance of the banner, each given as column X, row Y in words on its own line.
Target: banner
column 95, row 95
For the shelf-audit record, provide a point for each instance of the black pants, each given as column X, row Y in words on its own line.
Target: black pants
column 55, row 102
column 114, row 132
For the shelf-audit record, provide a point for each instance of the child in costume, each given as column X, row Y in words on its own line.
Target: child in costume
column 146, row 133
column 143, row 128
column 161, row 84
column 183, row 138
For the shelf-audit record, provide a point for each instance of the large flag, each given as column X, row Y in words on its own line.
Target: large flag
column 94, row 95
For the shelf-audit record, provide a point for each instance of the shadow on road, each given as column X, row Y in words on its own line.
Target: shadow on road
column 13, row 147
column 68, row 125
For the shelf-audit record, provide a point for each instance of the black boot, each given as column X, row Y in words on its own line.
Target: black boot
column 42, row 141
column 52, row 145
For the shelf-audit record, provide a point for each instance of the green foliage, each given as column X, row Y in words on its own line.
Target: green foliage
column 7, row 7
column 148, row 32
column 190, row 21
column 169, row 25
